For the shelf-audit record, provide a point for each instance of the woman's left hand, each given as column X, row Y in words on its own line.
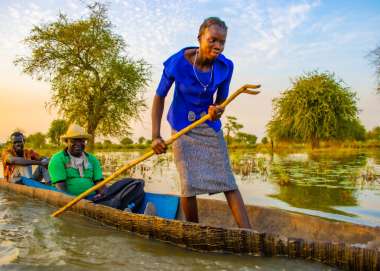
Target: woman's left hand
column 215, row 112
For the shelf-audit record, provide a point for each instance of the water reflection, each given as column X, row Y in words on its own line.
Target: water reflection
column 318, row 181
column 320, row 169
column 317, row 197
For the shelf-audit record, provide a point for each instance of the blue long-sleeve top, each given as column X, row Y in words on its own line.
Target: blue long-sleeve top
column 190, row 100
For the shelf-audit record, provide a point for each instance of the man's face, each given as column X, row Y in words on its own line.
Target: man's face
column 76, row 146
column 18, row 143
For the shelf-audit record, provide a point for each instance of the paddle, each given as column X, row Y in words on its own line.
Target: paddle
column 244, row 89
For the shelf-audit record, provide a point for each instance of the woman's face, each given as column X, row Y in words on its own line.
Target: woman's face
column 211, row 42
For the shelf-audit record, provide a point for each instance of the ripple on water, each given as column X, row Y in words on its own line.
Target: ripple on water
column 8, row 252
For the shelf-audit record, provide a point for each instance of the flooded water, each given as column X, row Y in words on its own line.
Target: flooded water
column 31, row 240
column 343, row 186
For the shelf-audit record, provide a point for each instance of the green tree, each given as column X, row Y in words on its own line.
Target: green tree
column 98, row 145
column 232, row 127
column 107, row 143
column 57, row 128
column 264, row 140
column 141, row 140
column 316, row 107
column 355, row 131
column 37, row 140
column 375, row 59
column 374, row 133
column 126, row 141
column 246, row 139
column 93, row 81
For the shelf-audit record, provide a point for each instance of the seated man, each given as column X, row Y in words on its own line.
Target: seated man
column 18, row 162
column 73, row 170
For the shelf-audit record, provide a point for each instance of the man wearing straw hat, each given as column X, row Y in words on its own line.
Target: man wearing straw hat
column 73, row 170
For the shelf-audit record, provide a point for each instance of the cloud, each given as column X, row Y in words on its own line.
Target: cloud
column 14, row 13
column 267, row 28
column 154, row 29
column 326, row 25
column 16, row 22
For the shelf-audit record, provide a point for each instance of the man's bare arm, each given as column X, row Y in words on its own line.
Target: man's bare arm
column 20, row 161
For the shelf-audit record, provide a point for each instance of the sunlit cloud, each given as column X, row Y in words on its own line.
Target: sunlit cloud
column 270, row 27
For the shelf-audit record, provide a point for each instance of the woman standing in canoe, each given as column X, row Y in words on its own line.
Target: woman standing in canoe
column 201, row 155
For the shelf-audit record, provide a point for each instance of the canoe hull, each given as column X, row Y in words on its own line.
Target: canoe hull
column 290, row 224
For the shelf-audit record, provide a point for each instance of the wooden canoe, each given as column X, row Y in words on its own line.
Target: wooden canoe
column 276, row 232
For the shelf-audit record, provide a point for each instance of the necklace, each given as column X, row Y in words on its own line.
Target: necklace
column 205, row 86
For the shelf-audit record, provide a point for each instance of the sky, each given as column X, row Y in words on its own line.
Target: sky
column 270, row 42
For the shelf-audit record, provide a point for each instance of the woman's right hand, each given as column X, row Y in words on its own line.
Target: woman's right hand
column 158, row 145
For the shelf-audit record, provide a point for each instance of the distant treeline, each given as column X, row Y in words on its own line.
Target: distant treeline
column 235, row 138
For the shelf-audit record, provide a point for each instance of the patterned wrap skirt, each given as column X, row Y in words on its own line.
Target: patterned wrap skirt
column 202, row 161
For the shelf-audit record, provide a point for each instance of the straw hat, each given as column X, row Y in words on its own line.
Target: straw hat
column 75, row 131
